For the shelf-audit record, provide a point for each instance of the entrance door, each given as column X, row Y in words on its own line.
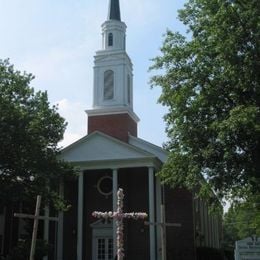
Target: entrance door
column 102, row 240
column 104, row 248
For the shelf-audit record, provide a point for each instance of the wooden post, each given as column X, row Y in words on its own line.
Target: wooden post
column 163, row 226
column 35, row 227
column 36, row 218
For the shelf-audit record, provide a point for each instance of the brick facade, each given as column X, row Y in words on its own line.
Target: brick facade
column 136, row 199
column 115, row 125
column 179, row 209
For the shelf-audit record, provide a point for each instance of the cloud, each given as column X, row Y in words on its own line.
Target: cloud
column 74, row 114
column 56, row 41
column 69, row 138
column 46, row 64
column 62, row 71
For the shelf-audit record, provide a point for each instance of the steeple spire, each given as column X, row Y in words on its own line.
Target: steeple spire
column 114, row 10
column 112, row 111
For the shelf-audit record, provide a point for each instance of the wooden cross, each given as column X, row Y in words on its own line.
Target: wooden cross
column 36, row 217
column 163, row 226
column 119, row 216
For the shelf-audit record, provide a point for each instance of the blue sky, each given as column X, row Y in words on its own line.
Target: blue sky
column 56, row 40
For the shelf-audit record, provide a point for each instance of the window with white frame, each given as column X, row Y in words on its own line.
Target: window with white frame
column 108, row 85
column 110, row 39
column 104, row 248
column 102, row 240
column 128, row 89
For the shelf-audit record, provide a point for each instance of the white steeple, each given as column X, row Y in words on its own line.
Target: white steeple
column 112, row 111
column 113, row 76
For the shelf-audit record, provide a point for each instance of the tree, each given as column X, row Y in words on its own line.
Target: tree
column 242, row 220
column 29, row 132
column 210, row 82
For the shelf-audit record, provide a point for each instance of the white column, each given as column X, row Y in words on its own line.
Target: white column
column 80, row 216
column 115, row 188
column 158, row 217
column 151, row 213
column 46, row 226
column 60, row 228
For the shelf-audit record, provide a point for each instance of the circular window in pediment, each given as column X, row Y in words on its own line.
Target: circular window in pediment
column 105, row 185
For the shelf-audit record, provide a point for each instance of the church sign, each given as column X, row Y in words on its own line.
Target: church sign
column 248, row 249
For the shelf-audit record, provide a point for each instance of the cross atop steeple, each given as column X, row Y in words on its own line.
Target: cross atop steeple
column 114, row 10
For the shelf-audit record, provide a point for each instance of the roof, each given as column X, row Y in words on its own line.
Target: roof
column 114, row 10
column 157, row 151
column 99, row 151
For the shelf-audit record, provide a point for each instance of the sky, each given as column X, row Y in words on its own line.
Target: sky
column 56, row 40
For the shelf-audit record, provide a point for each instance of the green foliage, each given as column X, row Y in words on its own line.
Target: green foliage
column 22, row 250
column 242, row 220
column 29, row 132
column 211, row 84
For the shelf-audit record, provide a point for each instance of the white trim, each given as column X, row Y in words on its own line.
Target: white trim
column 144, row 144
column 100, row 230
column 115, row 188
column 151, row 213
column 158, row 217
column 109, row 164
column 80, row 215
column 113, row 110
column 115, row 141
column 157, row 151
column 99, row 183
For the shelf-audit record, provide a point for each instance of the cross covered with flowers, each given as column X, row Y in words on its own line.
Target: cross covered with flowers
column 119, row 216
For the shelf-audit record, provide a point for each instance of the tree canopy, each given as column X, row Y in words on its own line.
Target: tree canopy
column 30, row 130
column 242, row 220
column 210, row 81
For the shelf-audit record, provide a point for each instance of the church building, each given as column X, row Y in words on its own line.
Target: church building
column 112, row 156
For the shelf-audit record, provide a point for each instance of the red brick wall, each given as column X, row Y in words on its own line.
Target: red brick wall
column 70, row 221
column 118, row 125
column 136, row 238
column 179, row 209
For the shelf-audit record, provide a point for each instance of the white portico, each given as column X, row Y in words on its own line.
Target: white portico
column 98, row 151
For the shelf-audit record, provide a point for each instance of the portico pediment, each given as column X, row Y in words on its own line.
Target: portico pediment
column 100, row 147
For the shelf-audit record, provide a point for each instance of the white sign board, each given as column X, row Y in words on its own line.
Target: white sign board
column 248, row 249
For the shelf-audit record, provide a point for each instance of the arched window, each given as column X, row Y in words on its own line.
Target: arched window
column 128, row 89
column 110, row 39
column 108, row 85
